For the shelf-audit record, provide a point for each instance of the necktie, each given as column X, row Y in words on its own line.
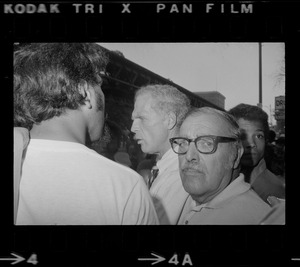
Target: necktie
column 154, row 173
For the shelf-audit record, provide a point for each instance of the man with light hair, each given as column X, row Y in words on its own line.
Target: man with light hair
column 158, row 112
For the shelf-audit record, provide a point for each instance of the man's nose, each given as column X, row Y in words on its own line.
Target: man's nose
column 250, row 142
column 192, row 154
column 134, row 126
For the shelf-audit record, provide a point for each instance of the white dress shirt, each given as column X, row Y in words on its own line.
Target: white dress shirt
column 167, row 190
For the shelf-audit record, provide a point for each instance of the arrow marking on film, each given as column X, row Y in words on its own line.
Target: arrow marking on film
column 15, row 260
column 157, row 259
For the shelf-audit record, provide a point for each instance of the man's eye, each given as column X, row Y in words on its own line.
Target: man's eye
column 137, row 118
column 260, row 136
column 179, row 143
column 205, row 143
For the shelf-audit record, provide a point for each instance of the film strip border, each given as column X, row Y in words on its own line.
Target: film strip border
column 150, row 20
column 143, row 246
column 197, row 246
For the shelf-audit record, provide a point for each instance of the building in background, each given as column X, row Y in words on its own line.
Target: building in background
column 123, row 77
column 214, row 97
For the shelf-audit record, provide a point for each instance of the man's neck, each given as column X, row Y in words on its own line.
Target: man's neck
column 247, row 173
column 166, row 147
column 209, row 196
column 63, row 128
column 162, row 153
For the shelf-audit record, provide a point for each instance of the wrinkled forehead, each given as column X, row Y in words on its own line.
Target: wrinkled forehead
column 204, row 124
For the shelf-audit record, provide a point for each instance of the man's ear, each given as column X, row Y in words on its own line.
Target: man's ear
column 86, row 93
column 171, row 120
column 240, row 153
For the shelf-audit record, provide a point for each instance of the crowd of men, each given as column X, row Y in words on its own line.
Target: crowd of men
column 210, row 165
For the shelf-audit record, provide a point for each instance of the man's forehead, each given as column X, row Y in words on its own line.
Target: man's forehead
column 143, row 106
column 204, row 124
column 247, row 124
column 143, row 103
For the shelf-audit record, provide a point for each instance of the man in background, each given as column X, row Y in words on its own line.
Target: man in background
column 253, row 122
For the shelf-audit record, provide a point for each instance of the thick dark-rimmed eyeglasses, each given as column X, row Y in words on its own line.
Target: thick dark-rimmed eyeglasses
column 206, row 144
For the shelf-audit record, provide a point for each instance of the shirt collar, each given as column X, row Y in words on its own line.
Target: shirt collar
column 168, row 160
column 258, row 170
column 236, row 187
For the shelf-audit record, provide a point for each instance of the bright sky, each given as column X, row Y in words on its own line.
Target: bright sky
column 229, row 68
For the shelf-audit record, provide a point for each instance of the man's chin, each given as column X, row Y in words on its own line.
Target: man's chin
column 145, row 149
column 191, row 185
column 249, row 162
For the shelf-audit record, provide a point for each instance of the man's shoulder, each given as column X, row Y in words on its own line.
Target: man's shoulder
column 111, row 166
column 87, row 158
column 269, row 180
column 250, row 200
column 245, row 208
column 243, row 197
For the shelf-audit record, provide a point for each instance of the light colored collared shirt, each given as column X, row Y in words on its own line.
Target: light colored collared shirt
column 237, row 204
column 167, row 190
column 265, row 183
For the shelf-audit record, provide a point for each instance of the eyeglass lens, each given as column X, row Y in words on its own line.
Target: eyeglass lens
column 203, row 144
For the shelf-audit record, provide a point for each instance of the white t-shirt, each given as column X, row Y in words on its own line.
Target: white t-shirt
column 167, row 191
column 66, row 183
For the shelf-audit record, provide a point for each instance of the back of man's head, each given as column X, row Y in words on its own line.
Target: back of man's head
column 48, row 76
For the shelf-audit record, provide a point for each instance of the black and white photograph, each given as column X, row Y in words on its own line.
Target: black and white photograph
column 149, row 132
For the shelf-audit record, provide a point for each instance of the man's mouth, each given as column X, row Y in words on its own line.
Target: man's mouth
column 138, row 140
column 249, row 155
column 191, row 171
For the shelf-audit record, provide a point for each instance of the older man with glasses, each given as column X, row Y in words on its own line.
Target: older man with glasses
column 209, row 151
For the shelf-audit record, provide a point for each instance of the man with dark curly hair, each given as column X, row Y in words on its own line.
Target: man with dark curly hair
column 253, row 122
column 58, row 98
